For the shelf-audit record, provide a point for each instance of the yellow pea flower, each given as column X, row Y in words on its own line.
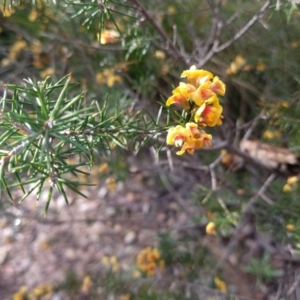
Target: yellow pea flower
column 181, row 95
column 176, row 136
column 188, row 138
column 195, row 76
column 293, row 180
column 203, row 94
column 290, row 227
column 209, row 115
column 287, row 188
column 211, row 228
column 218, row 86
column 220, row 284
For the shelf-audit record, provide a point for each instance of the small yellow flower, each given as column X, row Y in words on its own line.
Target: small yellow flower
column 176, row 136
column 108, row 77
column 125, row 297
column 295, row 44
column 188, row 137
column 196, row 77
column 290, row 227
column 45, row 245
column 5, row 62
column 211, row 228
column 111, row 183
column 199, row 97
column 171, row 10
column 209, row 115
column 148, row 261
column 293, row 180
column 161, row 264
column 150, row 268
column 153, row 255
column 287, row 188
column 33, row 15
column 136, row 274
column 108, row 36
column 236, row 65
column 204, row 94
column 16, row 49
column 111, row 263
column 86, row 284
column 7, row 11
column 105, row 261
column 178, row 99
column 220, row 284
column 240, row 192
column 261, row 66
column 44, row 290
column 218, row 86
column 283, row 103
column 103, row 168
column 21, row 293
column 181, row 95
column 268, row 134
column 160, row 54
column 113, row 259
column 47, row 72
column 210, row 215
column 191, row 144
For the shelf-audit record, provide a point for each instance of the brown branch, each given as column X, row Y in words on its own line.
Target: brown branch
column 247, row 209
column 214, row 32
column 294, row 286
column 175, row 53
column 216, row 48
column 240, row 33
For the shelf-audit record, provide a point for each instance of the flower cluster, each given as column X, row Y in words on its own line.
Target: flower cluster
column 149, row 260
column 198, row 97
column 111, row 263
column 291, row 184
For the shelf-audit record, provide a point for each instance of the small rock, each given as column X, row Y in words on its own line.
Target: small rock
column 110, row 211
column 4, row 252
column 129, row 237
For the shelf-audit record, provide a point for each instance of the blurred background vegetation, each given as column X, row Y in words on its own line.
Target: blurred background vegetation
column 220, row 232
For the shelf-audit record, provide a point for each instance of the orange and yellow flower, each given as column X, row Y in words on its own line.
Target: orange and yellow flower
column 211, row 228
column 218, row 86
column 203, row 94
column 196, row 77
column 188, row 138
column 181, row 95
column 209, row 115
column 199, row 98
column 149, row 261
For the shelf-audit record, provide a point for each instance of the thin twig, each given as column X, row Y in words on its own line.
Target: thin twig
column 240, row 33
column 161, row 32
column 216, row 48
column 214, row 182
column 248, row 207
column 254, row 123
column 214, row 27
column 294, row 285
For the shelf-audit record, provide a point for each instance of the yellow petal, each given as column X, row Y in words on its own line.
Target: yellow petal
column 218, row 86
column 290, row 227
column 176, row 135
column 211, row 228
column 220, row 284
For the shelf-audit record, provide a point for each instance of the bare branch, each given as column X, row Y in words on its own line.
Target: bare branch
column 294, row 285
column 240, row 33
column 170, row 47
column 216, row 48
column 214, row 33
column 247, row 209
